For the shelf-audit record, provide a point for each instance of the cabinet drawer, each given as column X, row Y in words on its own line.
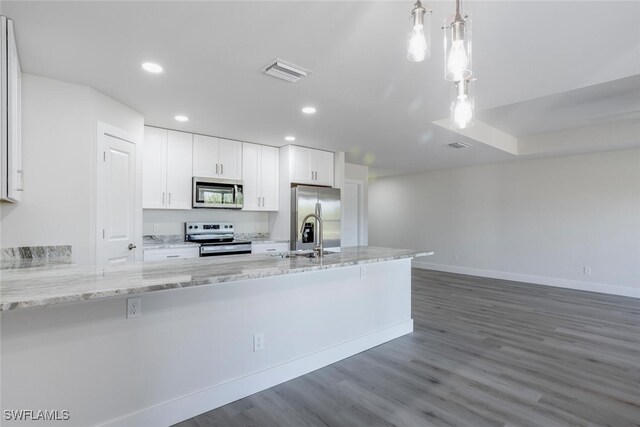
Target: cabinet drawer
column 259, row 248
column 171, row 253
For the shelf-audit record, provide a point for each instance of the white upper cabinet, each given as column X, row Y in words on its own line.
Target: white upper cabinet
column 270, row 177
column 179, row 163
column 260, row 177
column 154, row 168
column 217, row 157
column 11, row 96
column 166, row 169
column 309, row 166
column 230, row 156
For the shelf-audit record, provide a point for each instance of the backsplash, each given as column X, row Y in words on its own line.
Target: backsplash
column 158, row 222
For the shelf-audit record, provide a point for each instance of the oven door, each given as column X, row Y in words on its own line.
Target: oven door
column 217, row 193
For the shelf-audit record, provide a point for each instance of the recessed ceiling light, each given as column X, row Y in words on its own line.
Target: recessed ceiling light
column 181, row 118
column 152, row 67
column 290, row 138
column 309, row 110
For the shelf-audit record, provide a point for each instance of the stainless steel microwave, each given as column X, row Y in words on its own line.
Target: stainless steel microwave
column 217, row 193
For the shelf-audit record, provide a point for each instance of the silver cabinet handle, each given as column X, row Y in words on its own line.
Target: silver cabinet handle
column 263, row 202
column 163, row 198
column 221, row 169
column 173, row 256
column 21, row 186
column 131, row 246
column 272, row 249
column 217, row 169
column 258, row 200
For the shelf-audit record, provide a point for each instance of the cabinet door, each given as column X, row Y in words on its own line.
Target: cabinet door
column 322, row 165
column 300, row 169
column 179, row 163
column 205, row 156
column 154, row 168
column 171, row 253
column 261, row 248
column 270, row 177
column 230, row 159
column 250, row 177
column 14, row 119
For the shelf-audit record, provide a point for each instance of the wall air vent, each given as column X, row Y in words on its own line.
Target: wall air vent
column 459, row 145
column 285, row 70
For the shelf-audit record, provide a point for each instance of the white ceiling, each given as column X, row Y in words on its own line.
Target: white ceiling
column 541, row 66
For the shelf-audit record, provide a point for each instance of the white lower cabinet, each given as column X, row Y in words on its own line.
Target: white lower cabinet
column 171, row 253
column 260, row 177
column 166, row 169
column 259, row 248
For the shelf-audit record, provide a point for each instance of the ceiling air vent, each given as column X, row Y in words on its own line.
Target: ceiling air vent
column 459, row 145
column 285, row 70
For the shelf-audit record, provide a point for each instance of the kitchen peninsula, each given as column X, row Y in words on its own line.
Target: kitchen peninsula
column 211, row 330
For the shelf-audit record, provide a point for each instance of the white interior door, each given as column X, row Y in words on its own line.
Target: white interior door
column 351, row 213
column 116, row 201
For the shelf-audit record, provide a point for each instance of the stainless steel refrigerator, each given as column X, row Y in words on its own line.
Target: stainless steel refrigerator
column 303, row 202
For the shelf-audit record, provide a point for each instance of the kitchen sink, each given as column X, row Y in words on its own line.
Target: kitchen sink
column 304, row 254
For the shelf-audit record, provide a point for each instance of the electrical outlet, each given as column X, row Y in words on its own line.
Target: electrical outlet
column 363, row 273
column 134, row 307
column 456, row 258
column 156, row 228
column 587, row 271
column 258, row 342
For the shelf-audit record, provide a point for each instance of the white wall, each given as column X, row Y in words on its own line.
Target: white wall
column 361, row 173
column 172, row 221
column 541, row 220
column 58, row 154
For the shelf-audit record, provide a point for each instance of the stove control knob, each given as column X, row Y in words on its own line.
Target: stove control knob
column 190, row 227
column 195, row 226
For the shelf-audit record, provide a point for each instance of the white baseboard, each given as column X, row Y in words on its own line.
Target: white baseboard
column 527, row 278
column 194, row 404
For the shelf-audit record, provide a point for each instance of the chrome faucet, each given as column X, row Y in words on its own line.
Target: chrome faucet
column 319, row 249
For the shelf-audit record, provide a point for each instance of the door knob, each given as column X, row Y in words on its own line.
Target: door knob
column 131, row 246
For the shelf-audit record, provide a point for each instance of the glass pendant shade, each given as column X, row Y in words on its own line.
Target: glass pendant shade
column 419, row 37
column 462, row 105
column 457, row 48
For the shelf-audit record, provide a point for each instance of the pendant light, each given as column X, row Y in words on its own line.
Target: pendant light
column 457, row 47
column 462, row 108
column 419, row 38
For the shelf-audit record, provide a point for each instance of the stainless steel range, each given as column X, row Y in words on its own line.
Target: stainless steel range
column 216, row 238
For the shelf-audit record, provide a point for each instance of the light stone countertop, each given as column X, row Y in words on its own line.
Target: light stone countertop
column 47, row 285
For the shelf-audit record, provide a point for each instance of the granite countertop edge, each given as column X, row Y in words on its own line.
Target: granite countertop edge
column 259, row 272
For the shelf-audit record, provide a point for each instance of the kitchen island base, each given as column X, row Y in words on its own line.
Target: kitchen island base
column 193, row 349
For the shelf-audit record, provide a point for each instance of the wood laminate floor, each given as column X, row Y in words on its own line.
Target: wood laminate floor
column 484, row 352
